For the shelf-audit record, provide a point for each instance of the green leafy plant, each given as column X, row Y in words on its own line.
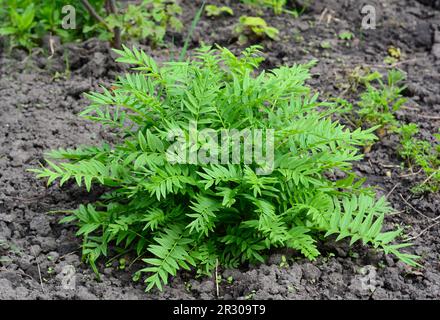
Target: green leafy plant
column 346, row 37
column 362, row 77
column 18, row 25
column 254, row 27
column 278, row 6
column 25, row 22
column 215, row 11
column 182, row 213
column 148, row 20
column 377, row 106
column 421, row 154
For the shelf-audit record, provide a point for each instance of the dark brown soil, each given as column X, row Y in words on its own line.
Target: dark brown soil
column 40, row 259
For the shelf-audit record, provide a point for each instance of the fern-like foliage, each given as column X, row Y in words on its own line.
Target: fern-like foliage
column 185, row 214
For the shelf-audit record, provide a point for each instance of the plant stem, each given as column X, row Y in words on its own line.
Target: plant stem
column 117, row 30
column 94, row 14
column 110, row 6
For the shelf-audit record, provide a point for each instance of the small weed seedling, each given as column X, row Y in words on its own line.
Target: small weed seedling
column 254, row 27
column 250, row 295
column 421, row 154
column 180, row 200
column 278, row 6
column 215, row 11
column 346, row 35
column 25, row 22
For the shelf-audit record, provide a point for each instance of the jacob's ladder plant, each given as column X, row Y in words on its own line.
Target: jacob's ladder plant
column 193, row 214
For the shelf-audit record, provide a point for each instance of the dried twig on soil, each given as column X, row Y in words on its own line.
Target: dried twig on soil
column 429, row 178
column 39, row 274
column 410, row 108
column 51, row 46
column 412, row 207
column 392, row 190
column 216, row 278
column 406, row 62
column 396, row 212
column 68, row 254
column 410, row 174
column 424, row 230
column 322, row 15
column 429, row 117
column 389, row 165
column 394, row 65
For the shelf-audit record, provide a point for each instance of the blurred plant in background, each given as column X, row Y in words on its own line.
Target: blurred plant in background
column 279, row 6
column 26, row 22
column 254, row 27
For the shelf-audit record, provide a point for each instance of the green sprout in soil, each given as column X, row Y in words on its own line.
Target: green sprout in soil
column 179, row 213
column 284, row 263
column 249, row 27
column 421, row 154
column 377, row 105
column 326, row 44
column 215, row 11
column 346, row 35
column 18, row 25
